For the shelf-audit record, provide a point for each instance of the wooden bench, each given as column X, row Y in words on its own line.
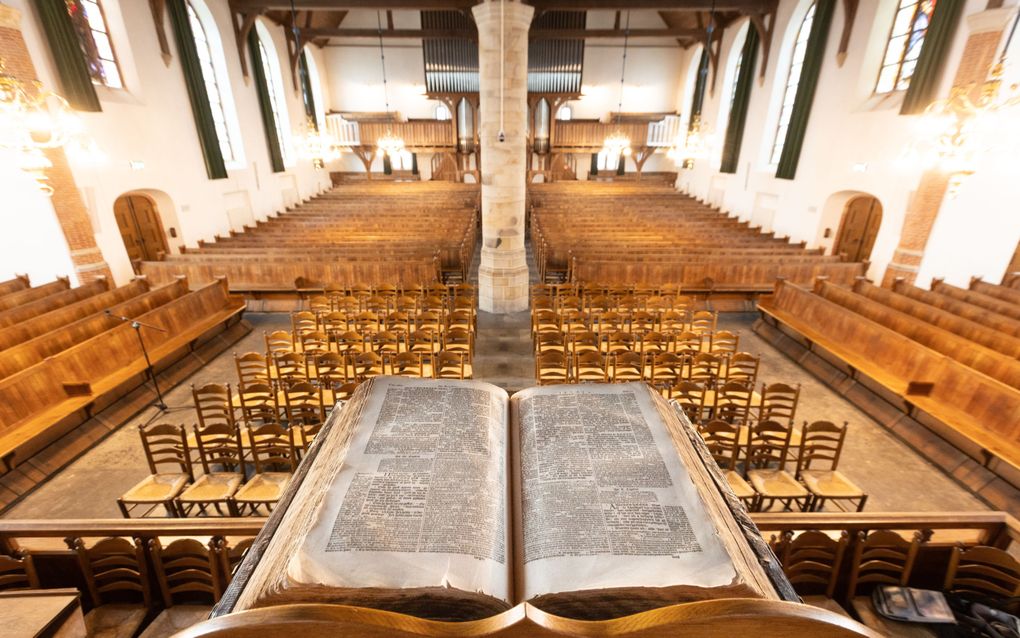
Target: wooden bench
column 976, row 298
column 15, row 299
column 25, row 312
column 1005, row 293
column 20, row 282
column 977, row 314
column 973, row 411
column 48, row 399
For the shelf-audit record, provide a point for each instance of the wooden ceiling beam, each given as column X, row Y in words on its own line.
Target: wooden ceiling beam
column 541, row 5
column 470, row 34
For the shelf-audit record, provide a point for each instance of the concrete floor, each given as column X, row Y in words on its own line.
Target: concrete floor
column 895, row 477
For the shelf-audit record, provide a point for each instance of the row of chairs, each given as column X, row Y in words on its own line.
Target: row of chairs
column 720, row 343
column 359, row 297
column 117, row 574
column 754, row 460
column 368, row 322
column 673, row 322
column 425, row 341
column 332, row 371
column 815, row 562
column 662, row 370
column 224, row 487
column 734, row 401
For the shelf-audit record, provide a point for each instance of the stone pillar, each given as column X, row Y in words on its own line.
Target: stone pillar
column 986, row 31
column 503, row 272
column 67, row 202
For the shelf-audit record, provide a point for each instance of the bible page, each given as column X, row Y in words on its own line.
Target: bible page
column 603, row 499
column 421, row 499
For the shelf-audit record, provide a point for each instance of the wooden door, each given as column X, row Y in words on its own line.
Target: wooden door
column 140, row 228
column 858, row 229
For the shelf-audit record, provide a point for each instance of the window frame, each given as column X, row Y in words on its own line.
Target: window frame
column 787, row 100
column 115, row 60
column 220, row 80
column 901, row 59
column 277, row 92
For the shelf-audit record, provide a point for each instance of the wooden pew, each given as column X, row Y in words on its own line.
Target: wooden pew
column 20, row 282
column 14, row 299
column 980, row 358
column 25, row 312
column 965, row 328
column 973, row 411
column 48, row 399
column 1005, row 293
column 28, row 353
column 54, row 319
column 976, row 298
column 977, row 314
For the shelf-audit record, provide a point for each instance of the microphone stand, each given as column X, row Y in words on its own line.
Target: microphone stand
column 138, row 325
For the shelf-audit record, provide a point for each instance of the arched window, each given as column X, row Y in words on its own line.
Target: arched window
column 736, row 58
column 792, row 82
column 443, row 112
column 94, row 37
column 565, row 113
column 217, row 83
column 905, row 40
column 311, row 88
column 274, row 86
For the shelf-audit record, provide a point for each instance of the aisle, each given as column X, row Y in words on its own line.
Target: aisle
column 503, row 353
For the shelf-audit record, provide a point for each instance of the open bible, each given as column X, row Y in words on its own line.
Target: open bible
column 450, row 500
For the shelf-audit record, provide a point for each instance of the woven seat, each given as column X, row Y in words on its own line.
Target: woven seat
column 778, row 484
column 263, row 488
column 833, row 484
column 156, row 488
column 740, row 486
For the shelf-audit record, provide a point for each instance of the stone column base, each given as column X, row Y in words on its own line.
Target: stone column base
column 503, row 281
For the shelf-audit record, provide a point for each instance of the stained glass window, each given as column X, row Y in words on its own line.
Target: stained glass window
column 792, row 82
column 212, row 86
column 904, row 47
column 94, row 37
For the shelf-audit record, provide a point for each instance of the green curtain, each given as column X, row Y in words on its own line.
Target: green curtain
column 258, row 72
column 414, row 164
column 700, row 85
column 75, row 81
column 195, row 82
column 306, row 88
column 928, row 73
column 814, row 56
column 593, row 169
column 387, row 165
column 741, row 100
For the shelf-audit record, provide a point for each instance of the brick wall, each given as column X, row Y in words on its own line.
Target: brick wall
column 67, row 202
column 975, row 65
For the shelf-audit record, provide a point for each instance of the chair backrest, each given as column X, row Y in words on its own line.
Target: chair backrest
column 552, row 367
column 812, row 561
column 232, row 555
column 448, row 365
column 114, row 570
column 688, row 343
column 304, row 321
column 278, row 342
column 767, row 445
column 258, row 404
column 667, row 367
column 303, row 405
column 18, row 573
column 703, row 321
column 320, row 304
column 779, row 402
column 590, row 366
column 330, row 370
column 188, row 571
column 983, row 571
column 350, row 341
column 724, row 341
column 881, row 557
column 166, row 445
column 219, row 444
column 314, row 342
column 252, row 367
column 345, row 392
column 406, row 364
column 733, row 402
column 628, row 366
column 368, row 364
column 272, row 448
column 821, row 444
column 291, row 368
column 743, row 367
column 705, row 368
column 213, row 404
column 691, row 397
column 723, row 441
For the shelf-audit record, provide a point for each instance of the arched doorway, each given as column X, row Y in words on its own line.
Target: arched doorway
column 140, row 228
column 858, row 228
